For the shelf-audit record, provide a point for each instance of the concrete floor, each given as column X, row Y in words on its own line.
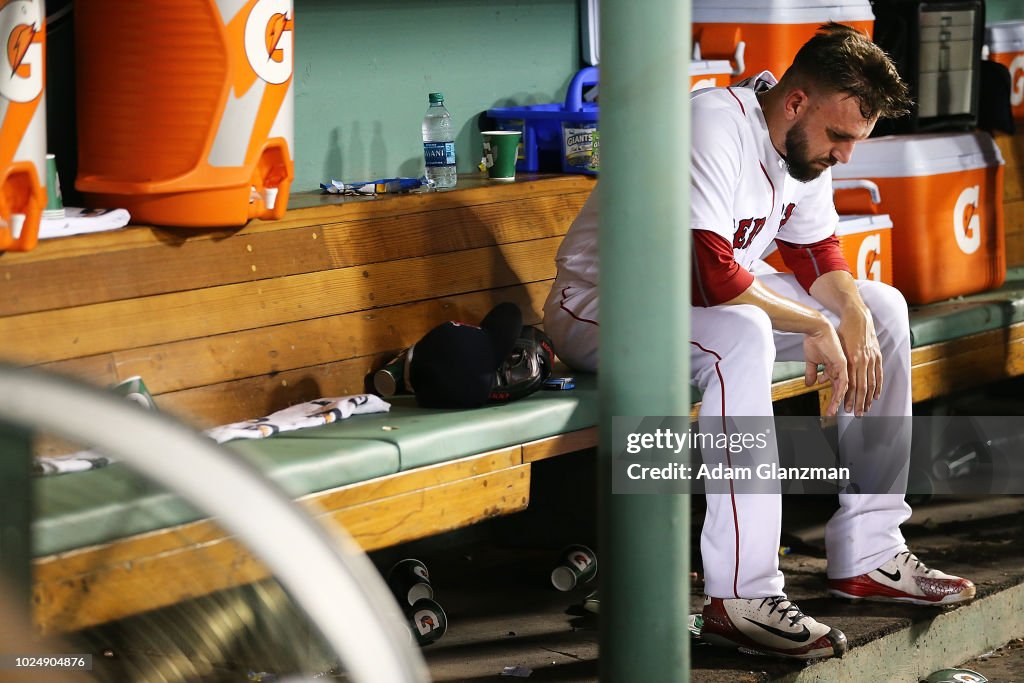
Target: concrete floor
column 503, row 612
column 493, row 582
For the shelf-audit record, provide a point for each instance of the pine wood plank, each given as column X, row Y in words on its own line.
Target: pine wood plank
column 961, row 345
column 1012, row 149
column 421, row 234
column 244, row 399
column 85, row 560
column 312, row 210
column 192, row 561
column 1015, row 250
column 198, row 263
column 1013, row 217
column 99, row 328
column 113, row 591
column 315, row 209
column 969, row 362
column 561, row 444
column 99, row 370
column 236, row 355
column 413, row 480
column 794, row 387
column 430, row 511
column 824, row 399
column 156, row 269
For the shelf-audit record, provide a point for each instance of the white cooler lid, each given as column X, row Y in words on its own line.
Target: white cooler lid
column 904, row 156
column 703, row 67
column 851, row 225
column 1005, row 36
column 781, row 11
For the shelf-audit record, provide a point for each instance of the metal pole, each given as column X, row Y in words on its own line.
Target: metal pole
column 645, row 292
column 16, row 515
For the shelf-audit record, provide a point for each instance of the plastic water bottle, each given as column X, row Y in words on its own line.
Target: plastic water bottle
column 439, row 143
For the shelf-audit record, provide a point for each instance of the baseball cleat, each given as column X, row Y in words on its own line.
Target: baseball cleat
column 904, row 578
column 769, row 626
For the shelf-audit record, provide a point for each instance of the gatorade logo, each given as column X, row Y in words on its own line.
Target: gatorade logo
column 966, row 221
column 966, row 677
column 268, row 40
column 426, row 621
column 21, row 73
column 869, row 258
column 1017, row 80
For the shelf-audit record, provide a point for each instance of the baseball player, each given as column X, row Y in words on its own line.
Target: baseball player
column 760, row 172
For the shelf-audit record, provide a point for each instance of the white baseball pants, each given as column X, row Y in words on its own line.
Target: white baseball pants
column 732, row 350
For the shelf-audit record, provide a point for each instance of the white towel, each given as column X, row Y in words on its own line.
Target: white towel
column 311, row 414
column 72, row 462
column 77, row 221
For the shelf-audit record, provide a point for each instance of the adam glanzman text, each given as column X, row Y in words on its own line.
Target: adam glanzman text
column 672, row 441
column 765, row 472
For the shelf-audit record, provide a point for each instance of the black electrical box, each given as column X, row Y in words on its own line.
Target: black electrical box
column 936, row 47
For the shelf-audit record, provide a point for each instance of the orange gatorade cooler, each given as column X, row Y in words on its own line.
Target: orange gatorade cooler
column 709, row 73
column 22, row 123
column 185, row 108
column 1005, row 41
column 755, row 36
column 866, row 242
column 944, row 194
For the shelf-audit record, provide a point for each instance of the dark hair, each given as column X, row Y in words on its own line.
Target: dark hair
column 841, row 59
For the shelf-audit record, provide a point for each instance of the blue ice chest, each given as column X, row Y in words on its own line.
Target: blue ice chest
column 555, row 136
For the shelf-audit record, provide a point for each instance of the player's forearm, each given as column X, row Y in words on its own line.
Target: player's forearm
column 837, row 291
column 786, row 315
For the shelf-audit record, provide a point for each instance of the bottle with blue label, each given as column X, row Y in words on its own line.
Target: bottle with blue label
column 439, row 143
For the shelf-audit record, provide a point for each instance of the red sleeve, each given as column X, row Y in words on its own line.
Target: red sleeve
column 716, row 277
column 810, row 261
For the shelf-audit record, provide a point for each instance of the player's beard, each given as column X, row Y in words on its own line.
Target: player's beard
column 798, row 162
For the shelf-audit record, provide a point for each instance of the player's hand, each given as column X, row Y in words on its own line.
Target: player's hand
column 823, row 347
column 863, row 358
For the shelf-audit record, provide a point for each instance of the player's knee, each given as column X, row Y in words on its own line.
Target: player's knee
column 888, row 307
column 751, row 332
column 575, row 343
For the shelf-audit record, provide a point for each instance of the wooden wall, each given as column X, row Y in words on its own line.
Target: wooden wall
column 230, row 325
column 1012, row 147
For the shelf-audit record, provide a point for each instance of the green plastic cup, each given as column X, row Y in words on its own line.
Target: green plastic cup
column 578, row 565
column 135, row 390
column 54, row 202
column 500, row 152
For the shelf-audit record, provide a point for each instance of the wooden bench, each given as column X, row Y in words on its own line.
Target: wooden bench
column 228, row 325
column 234, row 324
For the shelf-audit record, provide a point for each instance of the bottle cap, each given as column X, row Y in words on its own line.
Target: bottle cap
column 436, row 97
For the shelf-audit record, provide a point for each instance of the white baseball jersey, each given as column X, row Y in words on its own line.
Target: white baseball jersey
column 739, row 186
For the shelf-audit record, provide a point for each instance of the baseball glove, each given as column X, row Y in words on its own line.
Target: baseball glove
column 525, row 368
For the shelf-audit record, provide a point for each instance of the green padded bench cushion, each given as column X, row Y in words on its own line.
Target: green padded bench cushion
column 81, row 509
column 963, row 316
column 86, row 508
column 302, row 466
column 428, row 436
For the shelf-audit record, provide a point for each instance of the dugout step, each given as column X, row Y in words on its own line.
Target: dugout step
column 502, row 613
